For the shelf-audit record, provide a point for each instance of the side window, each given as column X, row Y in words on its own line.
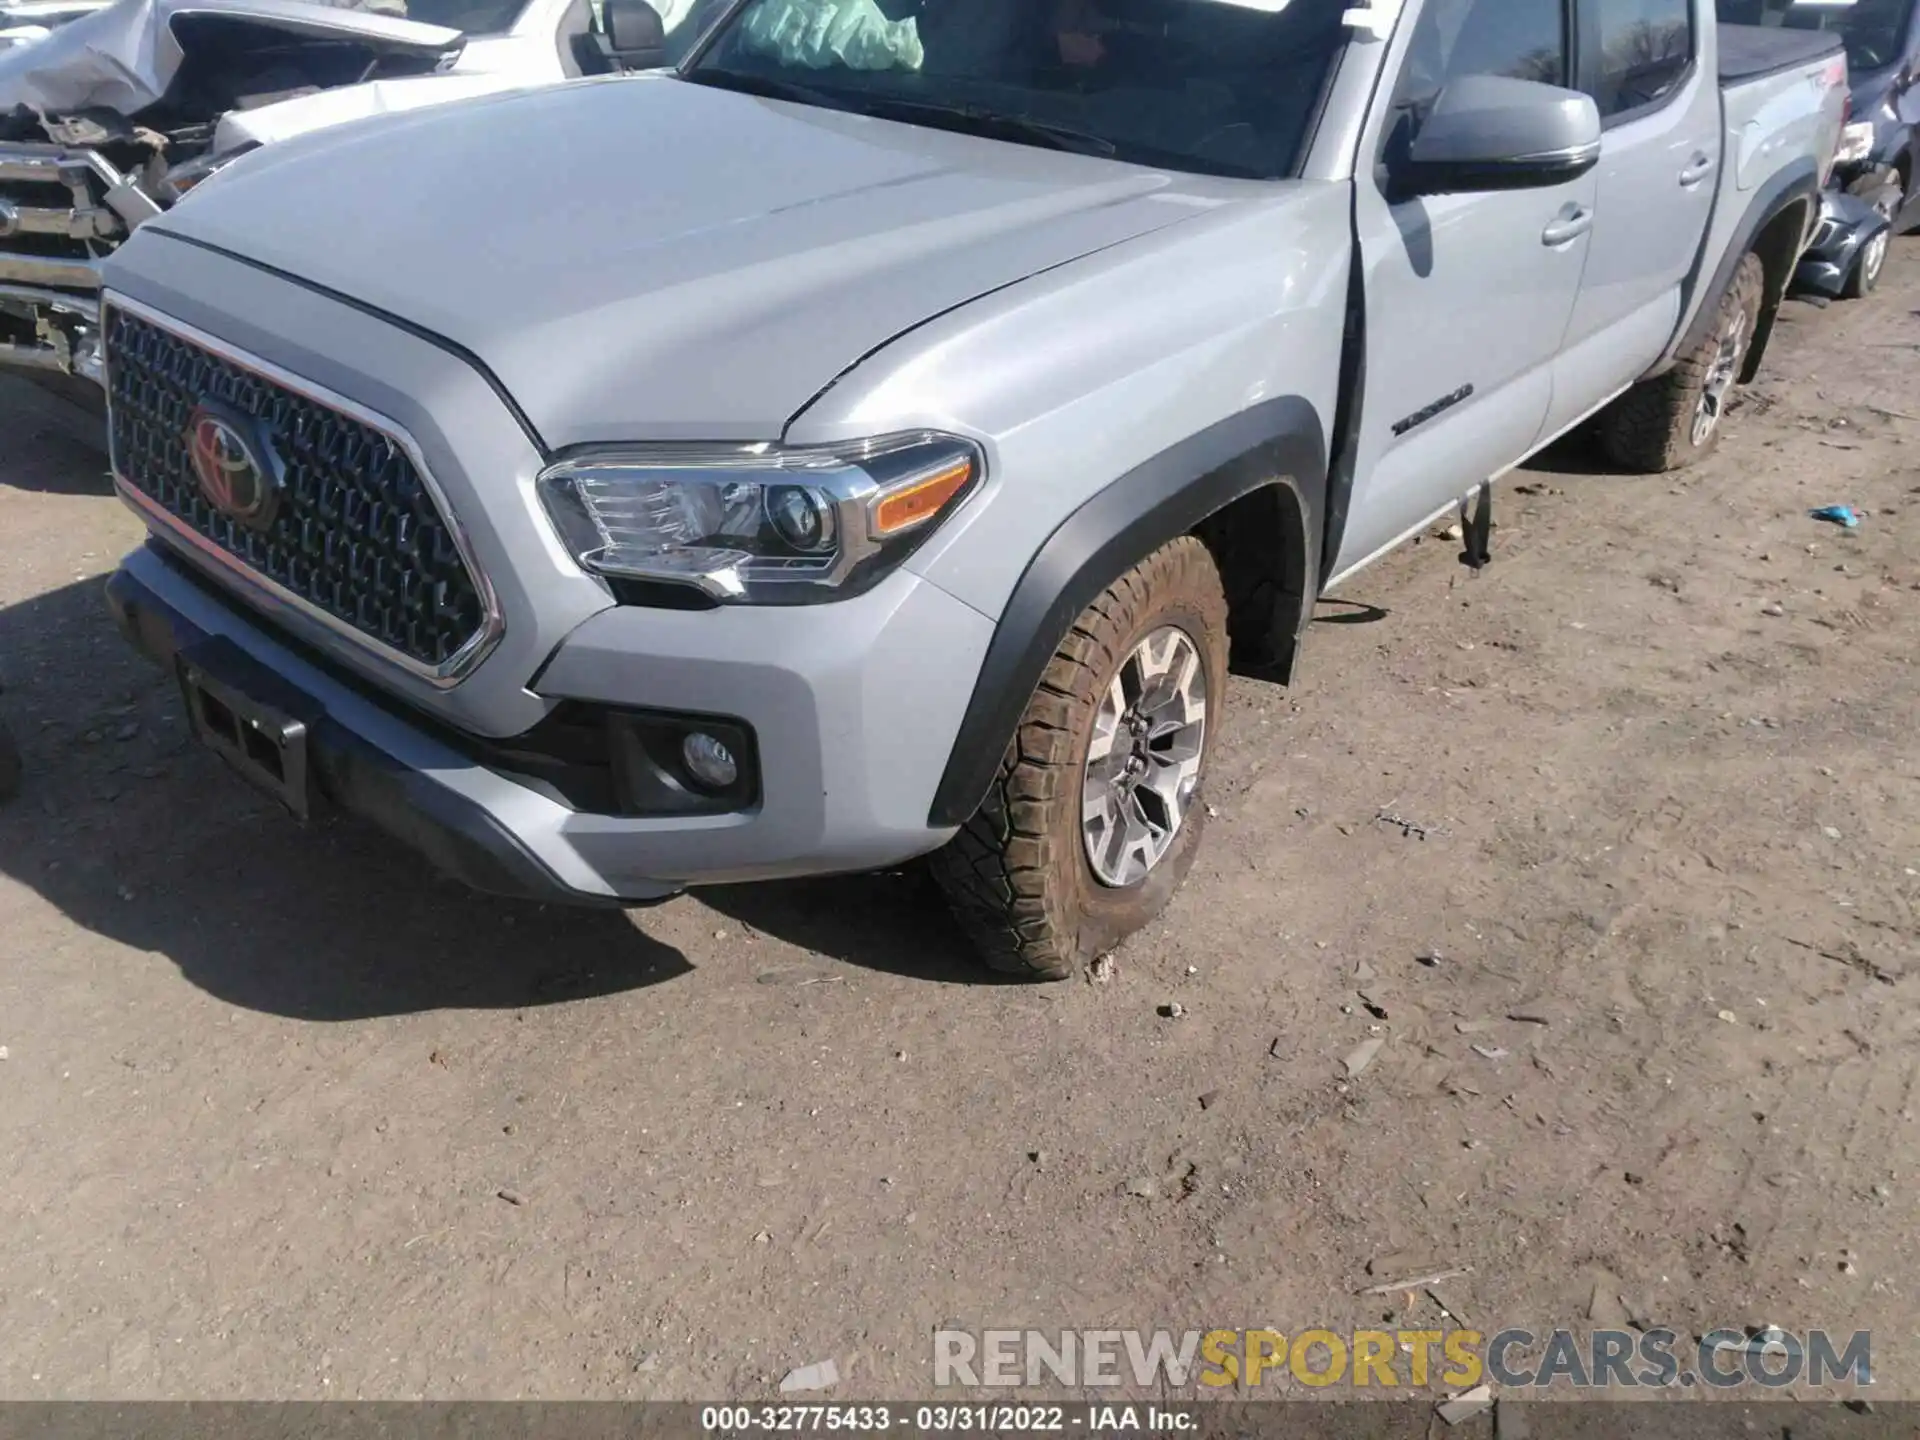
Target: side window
column 1519, row 39
column 1646, row 47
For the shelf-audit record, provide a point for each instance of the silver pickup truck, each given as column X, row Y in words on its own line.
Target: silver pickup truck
column 879, row 437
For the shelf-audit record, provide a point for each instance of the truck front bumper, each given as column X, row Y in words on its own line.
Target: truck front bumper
column 850, row 718
column 350, row 772
column 48, row 331
column 50, row 254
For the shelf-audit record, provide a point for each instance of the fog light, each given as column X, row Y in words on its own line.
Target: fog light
column 708, row 761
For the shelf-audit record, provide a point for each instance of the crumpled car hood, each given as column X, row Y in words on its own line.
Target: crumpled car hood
column 123, row 58
column 648, row 258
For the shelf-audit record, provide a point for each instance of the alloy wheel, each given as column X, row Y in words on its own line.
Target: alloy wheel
column 1143, row 765
column 1721, row 377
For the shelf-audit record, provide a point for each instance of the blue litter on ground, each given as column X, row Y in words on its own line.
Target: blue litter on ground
column 1838, row 515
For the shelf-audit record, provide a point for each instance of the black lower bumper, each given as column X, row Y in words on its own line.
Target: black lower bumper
column 342, row 770
column 1846, row 224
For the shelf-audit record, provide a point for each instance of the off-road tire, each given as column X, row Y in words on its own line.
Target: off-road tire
column 1017, row 874
column 1650, row 429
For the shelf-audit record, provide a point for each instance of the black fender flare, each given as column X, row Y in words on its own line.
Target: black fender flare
column 1798, row 183
column 1279, row 442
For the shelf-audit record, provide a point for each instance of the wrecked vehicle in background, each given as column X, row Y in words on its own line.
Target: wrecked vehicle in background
column 24, row 21
column 115, row 116
column 1876, row 182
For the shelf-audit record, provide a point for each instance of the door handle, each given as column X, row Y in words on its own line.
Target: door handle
column 1568, row 228
column 1697, row 170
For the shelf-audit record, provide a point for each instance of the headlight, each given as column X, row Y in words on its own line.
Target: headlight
column 182, row 178
column 1856, row 143
column 759, row 524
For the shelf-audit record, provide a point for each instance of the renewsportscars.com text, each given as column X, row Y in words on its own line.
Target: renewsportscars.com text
column 1214, row 1360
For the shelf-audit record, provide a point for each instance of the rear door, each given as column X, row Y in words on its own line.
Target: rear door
column 1650, row 68
column 1467, row 296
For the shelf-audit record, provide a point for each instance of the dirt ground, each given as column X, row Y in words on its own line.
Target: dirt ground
column 264, row 1090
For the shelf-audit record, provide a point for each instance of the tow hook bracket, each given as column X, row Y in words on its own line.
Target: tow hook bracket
column 1476, row 529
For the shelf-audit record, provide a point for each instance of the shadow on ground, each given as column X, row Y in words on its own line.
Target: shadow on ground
column 895, row 921
column 131, row 829
column 67, row 454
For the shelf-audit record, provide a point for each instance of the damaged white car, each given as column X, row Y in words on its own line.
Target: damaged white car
column 109, row 119
column 22, row 21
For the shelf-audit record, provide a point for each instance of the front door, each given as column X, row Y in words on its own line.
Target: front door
column 1467, row 296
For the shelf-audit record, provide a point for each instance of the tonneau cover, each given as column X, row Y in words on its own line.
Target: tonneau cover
column 1749, row 51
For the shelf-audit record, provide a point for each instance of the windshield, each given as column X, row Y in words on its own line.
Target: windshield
column 1874, row 31
column 1226, row 87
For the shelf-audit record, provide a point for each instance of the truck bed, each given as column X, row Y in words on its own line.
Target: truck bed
column 1748, row 52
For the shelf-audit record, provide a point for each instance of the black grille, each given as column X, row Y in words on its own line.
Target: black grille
column 356, row 532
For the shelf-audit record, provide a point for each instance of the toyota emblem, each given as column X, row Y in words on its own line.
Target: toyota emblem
column 231, row 469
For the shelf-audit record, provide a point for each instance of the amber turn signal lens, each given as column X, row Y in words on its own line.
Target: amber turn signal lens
column 920, row 500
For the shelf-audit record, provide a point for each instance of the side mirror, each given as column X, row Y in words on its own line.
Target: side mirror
column 1486, row 132
column 632, row 35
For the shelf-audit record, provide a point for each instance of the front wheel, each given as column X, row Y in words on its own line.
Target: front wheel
column 1096, row 810
column 1674, row 420
column 1887, row 199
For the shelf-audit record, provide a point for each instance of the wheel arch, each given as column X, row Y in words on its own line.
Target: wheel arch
column 1252, row 487
column 1778, row 243
column 1774, row 226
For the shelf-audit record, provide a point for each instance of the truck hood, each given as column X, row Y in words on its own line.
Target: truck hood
column 645, row 258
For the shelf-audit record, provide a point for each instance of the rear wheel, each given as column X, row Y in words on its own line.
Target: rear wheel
column 1675, row 419
column 1096, row 811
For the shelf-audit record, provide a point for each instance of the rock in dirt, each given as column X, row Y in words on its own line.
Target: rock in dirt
column 1209, row 1099
column 1604, row 1306
column 512, row 1197
column 1143, row 1188
column 1418, row 1282
column 1102, row 971
column 1490, row 1052
column 1173, row 1010
column 821, row 1375
column 1363, row 1055
column 1466, row 1405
